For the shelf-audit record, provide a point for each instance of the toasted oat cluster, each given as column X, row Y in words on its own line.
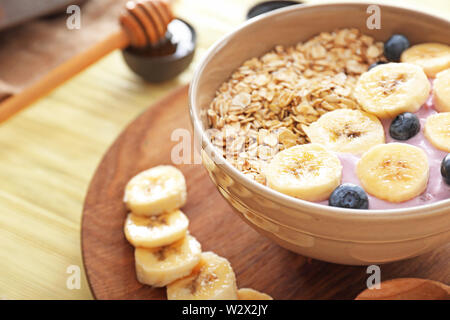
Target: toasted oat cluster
column 264, row 106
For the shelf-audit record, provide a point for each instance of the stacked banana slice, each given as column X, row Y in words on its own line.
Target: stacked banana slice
column 251, row 294
column 166, row 254
column 212, row 279
column 155, row 191
column 160, row 266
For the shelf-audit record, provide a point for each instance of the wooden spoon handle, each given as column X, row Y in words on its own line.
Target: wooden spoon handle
column 61, row 74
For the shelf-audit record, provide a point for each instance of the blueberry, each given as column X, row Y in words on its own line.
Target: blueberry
column 373, row 65
column 394, row 47
column 445, row 169
column 404, row 126
column 348, row 195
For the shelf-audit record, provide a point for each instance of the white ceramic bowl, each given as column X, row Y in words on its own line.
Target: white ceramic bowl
column 331, row 234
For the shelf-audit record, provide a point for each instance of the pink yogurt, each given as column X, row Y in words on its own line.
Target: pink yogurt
column 437, row 189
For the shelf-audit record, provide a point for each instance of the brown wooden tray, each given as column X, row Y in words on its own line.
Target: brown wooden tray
column 258, row 263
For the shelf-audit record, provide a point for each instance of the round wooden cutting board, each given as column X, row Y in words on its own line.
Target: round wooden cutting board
column 257, row 262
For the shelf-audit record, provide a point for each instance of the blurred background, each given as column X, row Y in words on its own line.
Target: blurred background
column 49, row 152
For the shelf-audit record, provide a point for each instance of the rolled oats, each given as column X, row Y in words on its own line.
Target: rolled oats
column 267, row 102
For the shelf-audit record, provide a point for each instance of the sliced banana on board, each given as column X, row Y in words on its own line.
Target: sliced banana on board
column 346, row 130
column 441, row 91
column 251, row 294
column 212, row 279
column 309, row 172
column 392, row 88
column 155, row 231
column 432, row 57
column 394, row 172
column 160, row 266
column 155, row 191
column 437, row 130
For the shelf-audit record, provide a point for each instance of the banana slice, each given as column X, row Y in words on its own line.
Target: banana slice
column 441, row 91
column 437, row 130
column 251, row 294
column 308, row 172
column 394, row 172
column 160, row 266
column 212, row 279
column 155, row 231
column 157, row 190
column 432, row 57
column 392, row 88
column 346, row 130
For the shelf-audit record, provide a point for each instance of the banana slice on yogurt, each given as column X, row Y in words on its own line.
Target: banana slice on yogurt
column 394, row 172
column 155, row 191
column 346, row 130
column 155, row 231
column 212, row 279
column 309, row 172
column 437, row 130
column 441, row 91
column 160, row 266
column 392, row 88
column 432, row 57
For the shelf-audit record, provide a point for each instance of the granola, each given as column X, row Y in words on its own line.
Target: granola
column 267, row 102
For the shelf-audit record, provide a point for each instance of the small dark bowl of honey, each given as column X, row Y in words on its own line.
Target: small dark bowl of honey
column 167, row 59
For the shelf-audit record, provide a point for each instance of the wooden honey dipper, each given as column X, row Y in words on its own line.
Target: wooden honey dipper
column 143, row 24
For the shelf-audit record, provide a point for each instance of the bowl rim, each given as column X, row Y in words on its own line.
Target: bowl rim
column 423, row 211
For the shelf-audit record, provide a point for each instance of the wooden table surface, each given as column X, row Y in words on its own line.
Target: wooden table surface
column 50, row 151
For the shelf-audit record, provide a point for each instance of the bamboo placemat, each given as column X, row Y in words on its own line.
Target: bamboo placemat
column 50, row 151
